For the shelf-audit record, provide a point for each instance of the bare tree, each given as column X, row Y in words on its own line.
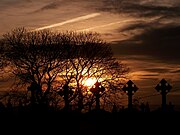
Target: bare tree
column 2, row 62
column 36, row 59
column 91, row 58
column 47, row 62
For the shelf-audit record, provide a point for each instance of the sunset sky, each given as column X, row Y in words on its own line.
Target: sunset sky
column 145, row 34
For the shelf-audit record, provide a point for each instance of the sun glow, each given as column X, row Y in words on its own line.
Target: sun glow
column 89, row 82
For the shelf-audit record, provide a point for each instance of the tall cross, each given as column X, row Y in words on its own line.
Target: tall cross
column 97, row 89
column 130, row 88
column 163, row 87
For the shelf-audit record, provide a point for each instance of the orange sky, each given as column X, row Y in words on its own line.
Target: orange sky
column 145, row 33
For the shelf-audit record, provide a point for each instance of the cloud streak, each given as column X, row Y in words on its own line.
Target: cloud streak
column 106, row 25
column 81, row 18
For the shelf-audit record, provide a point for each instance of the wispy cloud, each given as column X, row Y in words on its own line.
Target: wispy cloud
column 143, row 8
column 52, row 5
column 106, row 25
column 81, row 18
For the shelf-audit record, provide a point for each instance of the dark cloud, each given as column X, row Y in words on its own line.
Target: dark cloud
column 148, row 78
column 176, row 71
column 8, row 4
column 69, row 5
column 144, row 78
column 157, row 70
column 161, row 43
column 149, row 75
column 142, row 25
column 52, row 5
column 13, row 2
column 138, row 8
column 157, row 37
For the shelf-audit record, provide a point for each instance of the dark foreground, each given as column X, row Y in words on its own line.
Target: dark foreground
column 92, row 123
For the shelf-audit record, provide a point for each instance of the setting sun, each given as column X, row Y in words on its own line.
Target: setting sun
column 89, row 82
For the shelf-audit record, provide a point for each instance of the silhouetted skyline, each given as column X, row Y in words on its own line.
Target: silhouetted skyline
column 145, row 34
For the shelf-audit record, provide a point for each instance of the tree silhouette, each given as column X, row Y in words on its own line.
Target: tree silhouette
column 90, row 57
column 35, row 58
column 1, row 55
column 3, row 63
column 45, row 62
